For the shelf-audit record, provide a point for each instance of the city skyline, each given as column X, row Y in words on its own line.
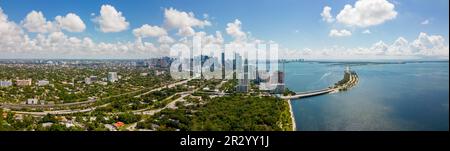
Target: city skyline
column 349, row 30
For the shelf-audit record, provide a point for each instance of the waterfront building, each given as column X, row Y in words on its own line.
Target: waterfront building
column 275, row 84
column 347, row 69
column 278, row 81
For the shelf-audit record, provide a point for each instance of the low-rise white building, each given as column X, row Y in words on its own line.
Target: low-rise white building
column 5, row 83
column 110, row 127
column 32, row 101
column 87, row 81
column 43, row 82
column 48, row 124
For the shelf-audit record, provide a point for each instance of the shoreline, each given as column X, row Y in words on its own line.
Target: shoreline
column 294, row 126
column 352, row 81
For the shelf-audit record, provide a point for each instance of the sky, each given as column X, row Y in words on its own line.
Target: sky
column 320, row 29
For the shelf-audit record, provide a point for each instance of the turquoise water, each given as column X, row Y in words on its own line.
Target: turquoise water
column 411, row 96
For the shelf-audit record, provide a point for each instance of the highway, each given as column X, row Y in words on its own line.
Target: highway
column 62, row 112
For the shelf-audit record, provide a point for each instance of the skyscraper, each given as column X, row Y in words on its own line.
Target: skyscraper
column 244, row 82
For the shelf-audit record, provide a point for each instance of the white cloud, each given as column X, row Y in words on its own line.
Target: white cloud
column 16, row 43
column 234, row 29
column 111, row 20
column 425, row 22
column 165, row 40
column 36, row 22
column 11, row 34
column 211, row 39
column 399, row 47
column 367, row 13
column 326, row 14
column 183, row 21
column 71, row 22
column 186, row 31
column 425, row 46
column 379, row 48
column 430, row 45
column 149, row 31
column 339, row 33
column 367, row 31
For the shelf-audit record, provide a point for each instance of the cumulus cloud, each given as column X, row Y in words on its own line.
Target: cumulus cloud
column 367, row 31
column 11, row 33
column 15, row 43
column 211, row 39
column 430, row 45
column 424, row 46
column 59, row 45
column 36, row 22
column 111, row 20
column 367, row 13
column 186, row 31
column 399, row 47
column 234, row 29
column 339, row 33
column 425, row 22
column 183, row 21
column 149, row 31
column 165, row 40
column 326, row 14
column 71, row 22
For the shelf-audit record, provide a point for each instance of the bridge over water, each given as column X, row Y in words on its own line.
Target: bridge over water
column 309, row 93
column 350, row 77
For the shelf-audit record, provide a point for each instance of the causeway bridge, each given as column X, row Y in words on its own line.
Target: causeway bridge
column 350, row 80
column 309, row 93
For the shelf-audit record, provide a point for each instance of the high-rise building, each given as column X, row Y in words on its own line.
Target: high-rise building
column 112, row 77
column 243, row 83
column 279, row 82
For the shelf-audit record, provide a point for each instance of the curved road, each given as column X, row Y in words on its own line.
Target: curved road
column 62, row 112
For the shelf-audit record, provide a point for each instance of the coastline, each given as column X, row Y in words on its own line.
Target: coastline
column 294, row 126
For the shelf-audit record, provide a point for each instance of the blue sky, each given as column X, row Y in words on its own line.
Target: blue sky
column 294, row 24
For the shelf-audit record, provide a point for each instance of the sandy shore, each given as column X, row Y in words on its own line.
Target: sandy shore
column 294, row 127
